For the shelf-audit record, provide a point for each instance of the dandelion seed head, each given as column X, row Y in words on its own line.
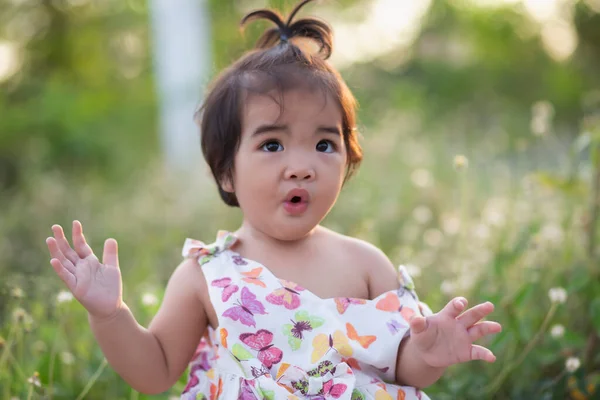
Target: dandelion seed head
column 422, row 214
column 19, row 315
column 557, row 331
column 572, row 364
column 149, row 299
column 557, row 295
column 35, row 379
column 542, row 113
column 481, row 231
column 17, row 292
column 67, row 358
column 450, row 224
column 448, row 288
column 64, row 296
column 421, row 178
column 461, row 162
column 433, row 237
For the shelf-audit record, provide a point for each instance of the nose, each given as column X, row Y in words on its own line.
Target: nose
column 304, row 173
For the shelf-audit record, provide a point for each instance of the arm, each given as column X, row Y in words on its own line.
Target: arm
column 412, row 370
column 150, row 360
column 435, row 342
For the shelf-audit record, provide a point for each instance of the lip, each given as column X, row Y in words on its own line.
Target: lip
column 299, row 207
column 297, row 192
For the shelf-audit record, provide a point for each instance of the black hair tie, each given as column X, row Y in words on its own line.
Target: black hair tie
column 284, row 35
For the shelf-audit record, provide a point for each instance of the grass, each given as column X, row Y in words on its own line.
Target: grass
column 500, row 224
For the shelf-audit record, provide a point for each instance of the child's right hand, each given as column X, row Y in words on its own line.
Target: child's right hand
column 96, row 286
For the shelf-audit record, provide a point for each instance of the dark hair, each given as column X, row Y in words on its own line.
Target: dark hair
column 281, row 61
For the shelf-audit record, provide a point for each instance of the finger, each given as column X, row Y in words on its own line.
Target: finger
column 418, row 324
column 111, row 253
column 57, row 254
column 79, row 243
column 482, row 329
column 476, row 314
column 63, row 244
column 67, row 277
column 455, row 307
column 481, row 353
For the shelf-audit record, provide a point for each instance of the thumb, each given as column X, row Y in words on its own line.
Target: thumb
column 418, row 324
column 110, row 255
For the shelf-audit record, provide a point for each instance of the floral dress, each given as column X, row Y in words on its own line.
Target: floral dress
column 277, row 340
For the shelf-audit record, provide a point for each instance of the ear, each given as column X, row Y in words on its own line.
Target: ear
column 227, row 185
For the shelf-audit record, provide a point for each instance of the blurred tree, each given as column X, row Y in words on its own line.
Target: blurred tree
column 83, row 100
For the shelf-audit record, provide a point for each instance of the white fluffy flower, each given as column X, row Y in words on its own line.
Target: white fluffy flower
column 422, row 214
column 572, row 364
column 67, row 358
column 421, row 178
column 557, row 295
column 64, row 296
column 557, row 331
column 149, row 299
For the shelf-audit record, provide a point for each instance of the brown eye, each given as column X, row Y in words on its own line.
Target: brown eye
column 272, row 146
column 326, row 146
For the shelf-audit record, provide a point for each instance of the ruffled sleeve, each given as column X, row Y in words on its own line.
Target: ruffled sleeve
column 398, row 307
column 407, row 284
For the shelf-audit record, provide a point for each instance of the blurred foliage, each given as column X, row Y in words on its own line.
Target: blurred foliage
column 79, row 140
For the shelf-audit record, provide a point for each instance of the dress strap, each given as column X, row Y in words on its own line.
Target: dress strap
column 196, row 249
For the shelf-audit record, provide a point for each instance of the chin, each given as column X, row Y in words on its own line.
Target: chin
column 292, row 229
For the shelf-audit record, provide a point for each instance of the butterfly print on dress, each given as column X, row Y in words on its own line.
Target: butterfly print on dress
column 245, row 310
column 227, row 286
column 262, row 341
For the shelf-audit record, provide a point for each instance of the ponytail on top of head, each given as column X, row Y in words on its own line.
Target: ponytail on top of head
column 280, row 62
column 307, row 28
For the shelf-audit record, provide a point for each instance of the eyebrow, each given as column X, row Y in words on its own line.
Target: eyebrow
column 268, row 128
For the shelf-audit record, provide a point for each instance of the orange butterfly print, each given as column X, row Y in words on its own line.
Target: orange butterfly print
column 352, row 362
column 253, row 276
column 216, row 391
column 342, row 303
column 401, row 394
column 391, row 302
column 223, row 332
column 365, row 341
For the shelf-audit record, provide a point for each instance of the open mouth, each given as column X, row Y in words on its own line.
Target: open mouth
column 296, row 201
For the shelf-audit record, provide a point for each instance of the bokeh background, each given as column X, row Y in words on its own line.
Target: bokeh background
column 480, row 122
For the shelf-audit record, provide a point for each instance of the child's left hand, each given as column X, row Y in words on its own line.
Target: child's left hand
column 447, row 337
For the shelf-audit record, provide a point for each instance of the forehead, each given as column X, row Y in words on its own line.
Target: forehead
column 291, row 106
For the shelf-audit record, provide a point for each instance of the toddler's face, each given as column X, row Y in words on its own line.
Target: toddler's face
column 290, row 165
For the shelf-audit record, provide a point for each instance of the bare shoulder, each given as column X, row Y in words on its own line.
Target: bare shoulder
column 189, row 274
column 376, row 267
